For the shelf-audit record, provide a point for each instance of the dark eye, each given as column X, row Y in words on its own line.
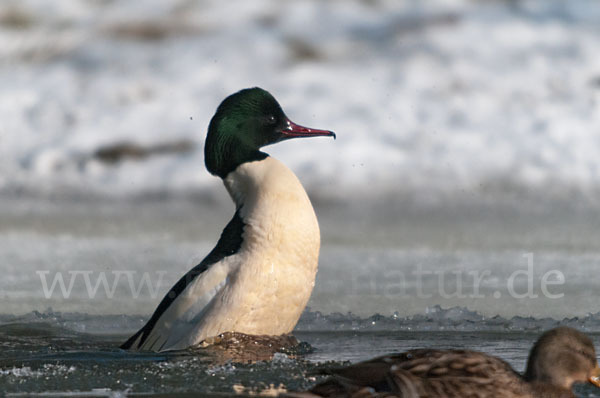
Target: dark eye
column 271, row 119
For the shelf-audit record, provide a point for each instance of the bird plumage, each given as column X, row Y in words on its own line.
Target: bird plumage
column 427, row 373
column 259, row 277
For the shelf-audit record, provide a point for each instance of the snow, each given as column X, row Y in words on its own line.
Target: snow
column 425, row 97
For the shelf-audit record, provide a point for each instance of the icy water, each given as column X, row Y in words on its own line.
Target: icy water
column 96, row 256
column 367, row 301
column 40, row 360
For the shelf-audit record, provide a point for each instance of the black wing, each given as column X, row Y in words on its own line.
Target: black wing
column 229, row 243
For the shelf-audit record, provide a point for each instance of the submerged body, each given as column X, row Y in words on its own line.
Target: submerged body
column 260, row 275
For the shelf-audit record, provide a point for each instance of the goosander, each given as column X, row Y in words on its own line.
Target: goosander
column 560, row 357
column 260, row 275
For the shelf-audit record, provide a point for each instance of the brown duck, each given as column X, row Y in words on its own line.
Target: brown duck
column 560, row 357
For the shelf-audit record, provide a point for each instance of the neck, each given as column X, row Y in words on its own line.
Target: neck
column 551, row 391
column 221, row 157
column 247, row 179
column 556, row 380
column 274, row 207
column 268, row 183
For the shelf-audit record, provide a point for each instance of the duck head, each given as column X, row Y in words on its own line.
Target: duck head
column 561, row 357
column 245, row 122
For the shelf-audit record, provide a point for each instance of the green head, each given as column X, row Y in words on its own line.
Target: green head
column 245, row 122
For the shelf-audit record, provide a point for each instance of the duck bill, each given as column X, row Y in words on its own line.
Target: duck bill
column 293, row 130
column 595, row 376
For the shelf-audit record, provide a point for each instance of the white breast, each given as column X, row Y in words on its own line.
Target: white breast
column 272, row 275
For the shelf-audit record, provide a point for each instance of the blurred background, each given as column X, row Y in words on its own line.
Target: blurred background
column 468, row 136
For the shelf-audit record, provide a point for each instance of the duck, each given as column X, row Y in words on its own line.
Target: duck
column 560, row 357
column 259, row 277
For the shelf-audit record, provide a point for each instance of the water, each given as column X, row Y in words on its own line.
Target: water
column 360, row 307
column 43, row 360
column 92, row 256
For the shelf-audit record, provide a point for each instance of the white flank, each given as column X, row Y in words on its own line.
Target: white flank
column 264, row 287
